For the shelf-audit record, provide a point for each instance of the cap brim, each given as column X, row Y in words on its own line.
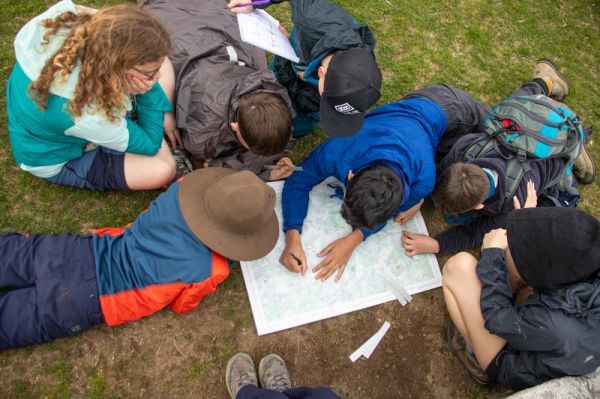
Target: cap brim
column 192, row 195
column 337, row 124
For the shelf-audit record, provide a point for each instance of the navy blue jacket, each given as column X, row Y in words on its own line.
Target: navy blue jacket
column 321, row 26
column 552, row 334
column 493, row 215
column 401, row 135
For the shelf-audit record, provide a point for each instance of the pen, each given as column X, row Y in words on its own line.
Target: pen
column 252, row 3
column 297, row 259
column 293, row 168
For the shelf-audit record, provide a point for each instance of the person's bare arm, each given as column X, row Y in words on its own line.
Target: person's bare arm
column 167, row 82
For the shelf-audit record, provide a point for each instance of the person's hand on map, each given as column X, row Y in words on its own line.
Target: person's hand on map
column 531, row 200
column 232, row 6
column 293, row 256
column 403, row 217
column 495, row 239
column 283, row 172
column 415, row 243
column 336, row 256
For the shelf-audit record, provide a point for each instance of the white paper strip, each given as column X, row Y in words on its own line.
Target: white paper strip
column 395, row 286
column 369, row 346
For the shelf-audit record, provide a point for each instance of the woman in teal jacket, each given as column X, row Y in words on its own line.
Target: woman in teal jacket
column 88, row 101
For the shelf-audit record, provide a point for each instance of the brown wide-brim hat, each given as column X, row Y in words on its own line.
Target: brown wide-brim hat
column 231, row 212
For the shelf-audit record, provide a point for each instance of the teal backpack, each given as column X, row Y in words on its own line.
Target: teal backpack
column 530, row 127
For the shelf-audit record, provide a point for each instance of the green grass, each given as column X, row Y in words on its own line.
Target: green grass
column 96, row 384
column 485, row 47
column 199, row 371
column 62, row 373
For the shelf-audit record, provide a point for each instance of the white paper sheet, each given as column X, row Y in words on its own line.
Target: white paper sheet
column 281, row 299
column 262, row 30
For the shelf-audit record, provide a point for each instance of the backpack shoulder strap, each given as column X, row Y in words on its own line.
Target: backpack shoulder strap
column 478, row 148
column 515, row 170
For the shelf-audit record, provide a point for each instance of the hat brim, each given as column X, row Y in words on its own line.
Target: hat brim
column 336, row 124
column 192, row 203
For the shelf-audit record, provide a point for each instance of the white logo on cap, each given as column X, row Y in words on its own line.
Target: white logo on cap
column 346, row 108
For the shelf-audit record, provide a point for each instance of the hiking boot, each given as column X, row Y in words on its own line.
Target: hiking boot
column 584, row 167
column 558, row 86
column 183, row 166
column 240, row 372
column 273, row 373
column 458, row 347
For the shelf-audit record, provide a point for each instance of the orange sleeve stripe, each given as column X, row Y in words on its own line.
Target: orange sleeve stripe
column 191, row 297
column 134, row 304
column 220, row 267
column 111, row 231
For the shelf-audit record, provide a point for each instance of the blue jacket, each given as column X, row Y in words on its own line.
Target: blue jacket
column 402, row 135
column 320, row 27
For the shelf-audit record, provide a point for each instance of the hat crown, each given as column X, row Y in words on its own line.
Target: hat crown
column 353, row 81
column 240, row 203
column 352, row 85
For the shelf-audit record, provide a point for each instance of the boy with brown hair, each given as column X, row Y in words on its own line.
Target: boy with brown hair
column 337, row 78
column 263, row 123
column 474, row 190
column 230, row 109
column 462, row 187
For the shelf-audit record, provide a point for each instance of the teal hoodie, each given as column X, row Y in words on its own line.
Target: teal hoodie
column 43, row 141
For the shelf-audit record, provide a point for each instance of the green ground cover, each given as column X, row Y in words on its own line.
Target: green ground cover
column 485, row 47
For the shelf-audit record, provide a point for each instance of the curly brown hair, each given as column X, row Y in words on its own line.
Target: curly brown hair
column 105, row 44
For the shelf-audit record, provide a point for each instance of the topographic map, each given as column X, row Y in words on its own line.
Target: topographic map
column 281, row 299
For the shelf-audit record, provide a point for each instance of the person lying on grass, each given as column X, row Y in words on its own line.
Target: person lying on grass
column 173, row 254
column 474, row 191
column 551, row 258
column 230, row 109
column 88, row 98
column 337, row 78
column 387, row 168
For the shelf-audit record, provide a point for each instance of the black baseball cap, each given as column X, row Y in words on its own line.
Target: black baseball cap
column 352, row 86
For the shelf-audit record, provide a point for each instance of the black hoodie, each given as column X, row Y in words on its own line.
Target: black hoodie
column 556, row 331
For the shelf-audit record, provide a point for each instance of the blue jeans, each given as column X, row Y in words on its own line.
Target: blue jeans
column 49, row 288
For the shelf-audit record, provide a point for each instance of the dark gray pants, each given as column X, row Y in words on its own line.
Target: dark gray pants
column 464, row 114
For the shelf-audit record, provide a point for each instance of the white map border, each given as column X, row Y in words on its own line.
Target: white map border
column 265, row 327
